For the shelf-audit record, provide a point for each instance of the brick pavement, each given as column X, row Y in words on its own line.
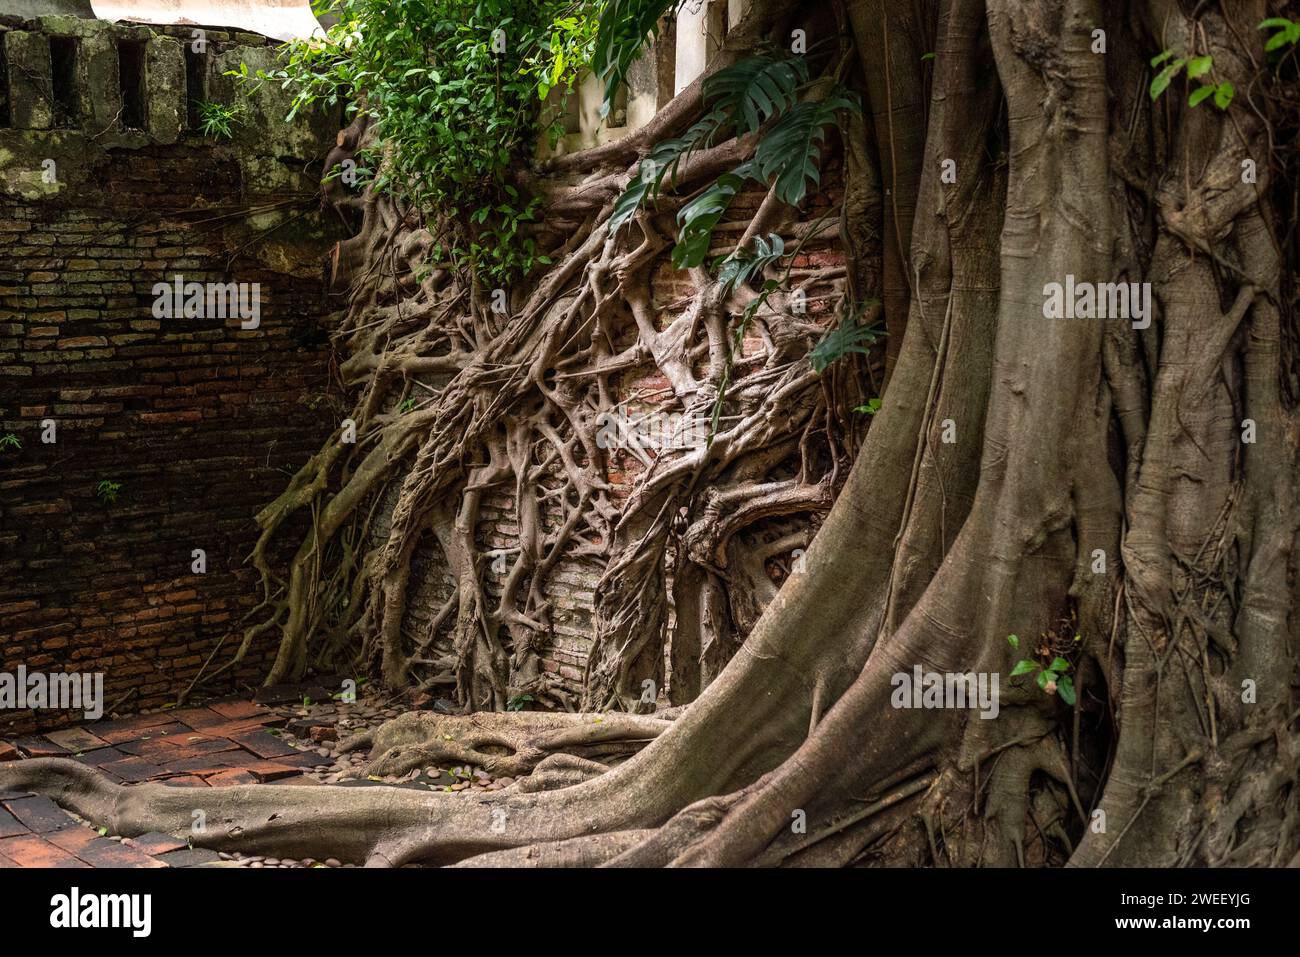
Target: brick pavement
column 219, row 744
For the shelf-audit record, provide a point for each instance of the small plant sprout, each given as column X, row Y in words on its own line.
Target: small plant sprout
column 517, row 702
column 107, row 491
column 1288, row 33
column 218, row 120
column 1198, row 68
column 1052, row 677
column 10, row 441
column 871, row 408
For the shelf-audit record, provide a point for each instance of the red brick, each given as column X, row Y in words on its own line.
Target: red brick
column 131, row 729
column 228, row 778
column 235, row 710
column 39, row 747
column 34, row 851
column 271, row 771
column 38, row 813
column 10, row 826
column 263, row 744
column 156, row 843
column 199, row 718
column 73, row 837
column 185, row 781
column 76, row 739
column 134, row 770
column 102, row 852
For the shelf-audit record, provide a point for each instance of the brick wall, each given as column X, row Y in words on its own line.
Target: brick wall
column 571, row 588
column 199, row 421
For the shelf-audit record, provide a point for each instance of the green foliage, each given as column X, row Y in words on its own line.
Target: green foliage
column 1054, row 673
column 455, row 88
column 10, row 441
column 517, row 702
column 871, row 408
column 788, row 153
column 698, row 217
column 408, row 404
column 663, row 160
column 742, row 98
column 849, row 336
column 1197, row 67
column 565, row 52
column 218, row 120
column 1160, row 82
column 623, row 27
column 756, row 89
column 107, row 491
column 742, row 265
column 1288, row 33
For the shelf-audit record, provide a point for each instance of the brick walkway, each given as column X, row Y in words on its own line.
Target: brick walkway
column 218, row 745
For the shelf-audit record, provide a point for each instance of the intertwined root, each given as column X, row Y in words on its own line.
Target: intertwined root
column 455, row 405
column 509, row 744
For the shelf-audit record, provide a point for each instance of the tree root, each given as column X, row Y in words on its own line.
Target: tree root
column 505, row 745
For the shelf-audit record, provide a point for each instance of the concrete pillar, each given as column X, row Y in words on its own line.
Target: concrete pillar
column 165, row 88
column 31, row 93
column 692, row 43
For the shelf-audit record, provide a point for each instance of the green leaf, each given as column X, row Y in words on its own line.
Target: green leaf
column 871, row 408
column 742, row 265
column 1065, row 688
column 1198, row 66
column 1161, row 58
column 1288, row 32
column 1023, row 667
column 1059, row 665
column 1200, row 93
column 1276, row 40
column 1223, row 94
column 1165, row 77
column 1043, row 679
column 1013, row 641
column 789, row 152
column 624, row 26
column 849, row 336
column 698, row 217
column 661, row 161
column 755, row 89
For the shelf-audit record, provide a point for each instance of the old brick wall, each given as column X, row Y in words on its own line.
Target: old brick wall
column 571, row 588
column 199, row 421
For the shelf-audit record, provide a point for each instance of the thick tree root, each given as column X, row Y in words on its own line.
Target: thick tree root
column 505, row 745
